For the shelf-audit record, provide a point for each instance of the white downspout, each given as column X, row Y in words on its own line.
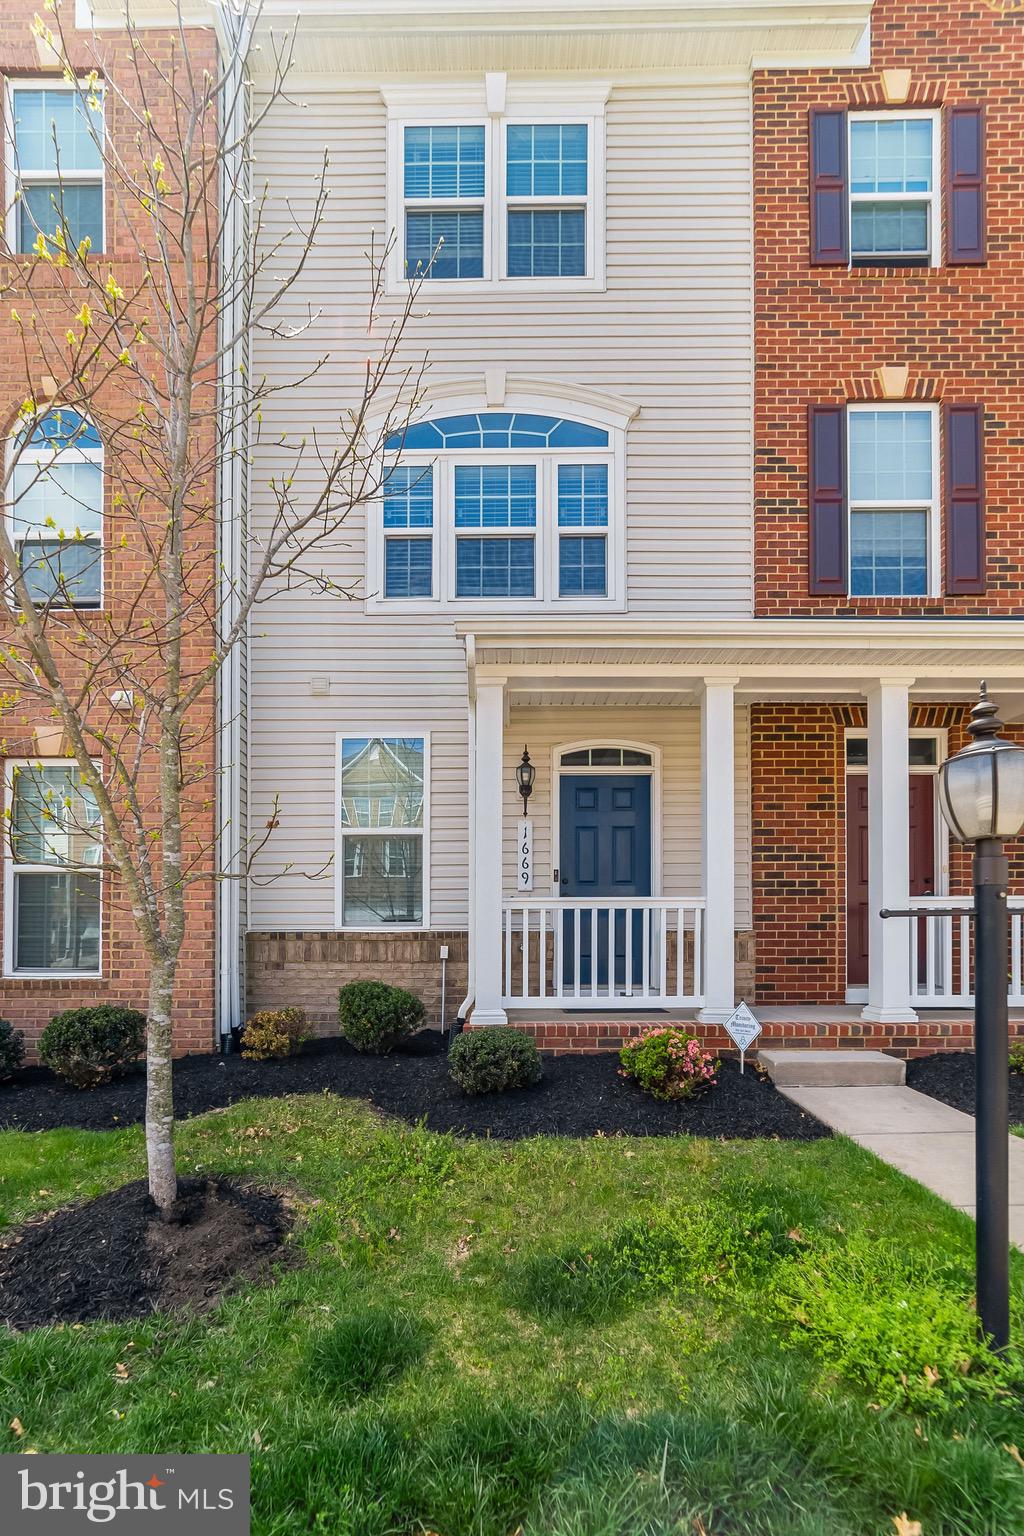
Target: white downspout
column 231, row 491
column 470, row 996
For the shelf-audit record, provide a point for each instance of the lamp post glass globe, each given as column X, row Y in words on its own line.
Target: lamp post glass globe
column 981, row 789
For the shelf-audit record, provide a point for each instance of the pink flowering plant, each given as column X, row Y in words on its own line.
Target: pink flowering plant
column 669, row 1063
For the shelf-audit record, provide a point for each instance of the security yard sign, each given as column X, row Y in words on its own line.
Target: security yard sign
column 742, row 1028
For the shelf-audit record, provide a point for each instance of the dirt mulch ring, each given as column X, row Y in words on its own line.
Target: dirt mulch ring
column 579, row 1096
column 949, row 1076
column 111, row 1258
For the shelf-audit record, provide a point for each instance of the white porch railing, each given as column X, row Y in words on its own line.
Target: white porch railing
column 941, row 953
column 637, row 953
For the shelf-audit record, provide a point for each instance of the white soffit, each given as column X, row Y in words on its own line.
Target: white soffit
column 368, row 37
column 395, row 36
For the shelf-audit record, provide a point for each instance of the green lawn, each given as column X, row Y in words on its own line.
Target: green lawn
column 603, row 1338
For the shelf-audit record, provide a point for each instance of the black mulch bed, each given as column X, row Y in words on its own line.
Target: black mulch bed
column 111, row 1258
column 949, row 1076
column 580, row 1095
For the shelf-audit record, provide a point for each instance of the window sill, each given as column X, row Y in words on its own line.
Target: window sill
column 571, row 607
column 33, row 978
column 500, row 286
column 893, row 264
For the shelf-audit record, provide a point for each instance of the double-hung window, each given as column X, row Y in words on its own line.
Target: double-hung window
column 546, row 181
column 52, row 887
column 502, row 186
column 383, row 828
column 408, row 501
column 582, row 525
column 505, row 506
column 444, row 177
column 894, row 187
column 495, row 522
column 56, row 165
column 893, row 500
column 56, row 511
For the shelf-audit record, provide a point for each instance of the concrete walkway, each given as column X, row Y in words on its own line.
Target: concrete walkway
column 920, row 1136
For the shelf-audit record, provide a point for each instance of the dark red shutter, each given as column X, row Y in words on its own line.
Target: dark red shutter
column 830, row 213
column 965, row 500
column 965, row 185
column 827, row 434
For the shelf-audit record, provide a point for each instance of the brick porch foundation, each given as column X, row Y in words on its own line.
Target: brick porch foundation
column 561, row 1036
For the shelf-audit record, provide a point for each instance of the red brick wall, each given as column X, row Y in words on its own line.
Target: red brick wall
column 28, row 1003
column 797, row 813
column 822, row 331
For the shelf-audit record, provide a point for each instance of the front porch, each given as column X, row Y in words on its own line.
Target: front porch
column 728, row 901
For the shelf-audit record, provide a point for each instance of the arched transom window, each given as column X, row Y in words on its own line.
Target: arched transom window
column 514, row 507
column 56, row 510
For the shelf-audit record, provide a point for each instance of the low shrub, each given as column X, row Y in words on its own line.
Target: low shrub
column 669, row 1063
column 86, row 1046
column 274, row 1032
column 494, row 1060
column 1017, row 1056
column 12, row 1050
column 375, row 1017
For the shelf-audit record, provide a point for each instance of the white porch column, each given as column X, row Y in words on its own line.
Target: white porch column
column 718, row 846
column 888, row 851
column 486, row 917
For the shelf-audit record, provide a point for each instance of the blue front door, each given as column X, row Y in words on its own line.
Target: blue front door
column 605, row 853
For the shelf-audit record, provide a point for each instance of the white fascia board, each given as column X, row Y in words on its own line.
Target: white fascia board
column 110, row 15
column 866, row 634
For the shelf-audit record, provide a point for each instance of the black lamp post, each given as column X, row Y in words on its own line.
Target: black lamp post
column 525, row 775
column 981, row 792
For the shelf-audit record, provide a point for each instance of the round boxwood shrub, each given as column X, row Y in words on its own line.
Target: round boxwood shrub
column 375, row 1017
column 274, row 1032
column 86, row 1046
column 494, row 1059
column 12, row 1050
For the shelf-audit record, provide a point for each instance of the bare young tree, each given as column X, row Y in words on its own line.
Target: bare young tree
column 138, row 358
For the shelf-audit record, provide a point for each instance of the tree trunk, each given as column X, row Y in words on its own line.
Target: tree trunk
column 163, row 1178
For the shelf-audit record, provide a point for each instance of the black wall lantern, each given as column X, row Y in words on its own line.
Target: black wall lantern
column 525, row 775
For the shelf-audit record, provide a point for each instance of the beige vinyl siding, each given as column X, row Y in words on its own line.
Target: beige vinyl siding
column 672, row 334
column 675, row 735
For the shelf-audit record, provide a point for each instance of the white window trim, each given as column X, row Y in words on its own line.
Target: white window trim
column 37, row 456
column 13, row 869
column 933, row 198
column 540, row 102
column 932, row 508
column 341, row 832
column 546, row 533
column 15, row 176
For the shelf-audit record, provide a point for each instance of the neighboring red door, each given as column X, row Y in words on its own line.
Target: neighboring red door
column 922, row 862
